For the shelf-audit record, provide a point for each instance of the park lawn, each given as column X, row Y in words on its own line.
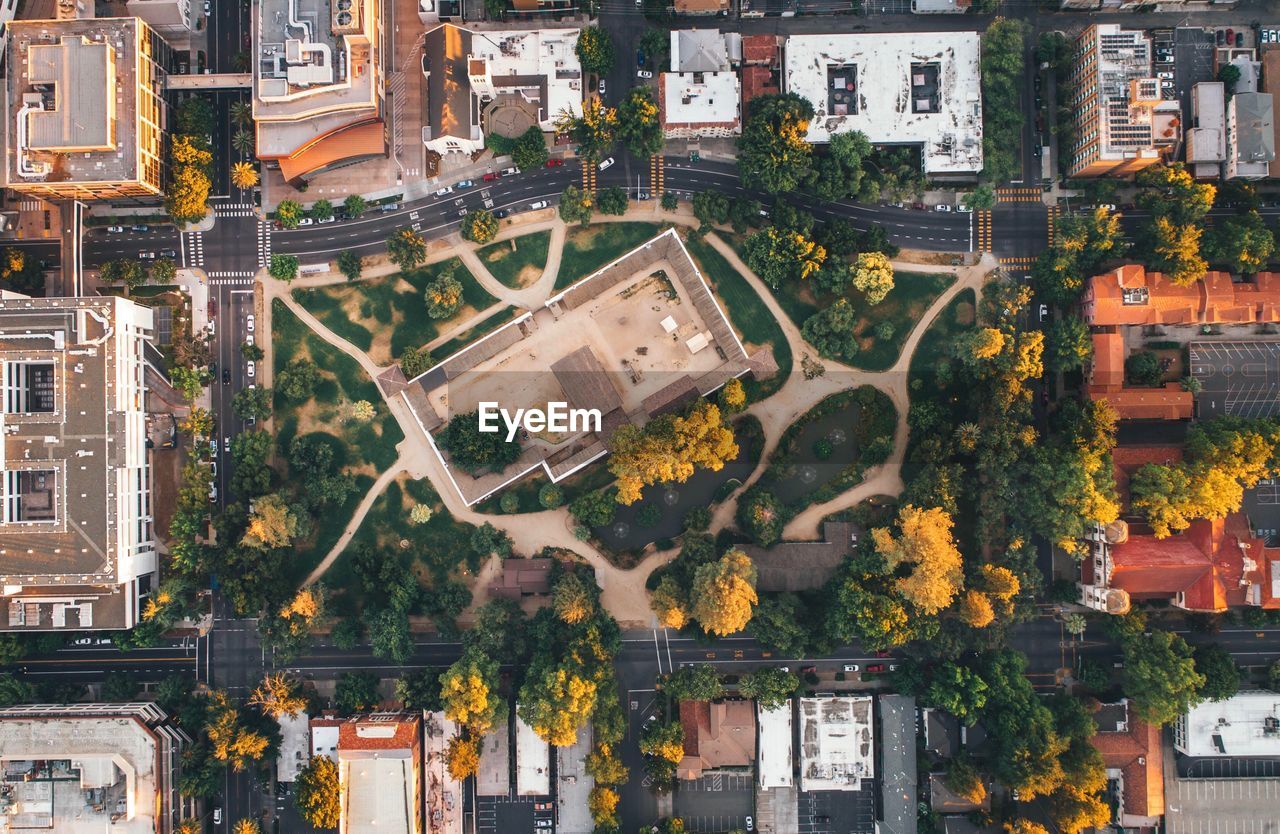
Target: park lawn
column 933, row 372
column 435, row 549
column 748, row 313
column 587, row 248
column 596, row 476
column 517, row 262
column 466, row 337
column 902, row 308
column 796, row 300
column 385, row 316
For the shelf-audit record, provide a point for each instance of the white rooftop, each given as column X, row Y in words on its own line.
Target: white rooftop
column 897, row 88
column 776, row 760
column 837, row 749
column 533, row 762
column 324, row 742
column 701, row 98
column 1247, row 724
column 573, row 785
column 443, row 794
column 529, row 52
column 295, row 745
column 377, row 790
column 494, row 778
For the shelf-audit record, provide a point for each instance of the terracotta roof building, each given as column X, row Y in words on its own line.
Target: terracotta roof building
column 1133, row 756
column 1130, row 295
column 1106, row 382
column 716, row 736
column 380, row 772
column 1214, row 565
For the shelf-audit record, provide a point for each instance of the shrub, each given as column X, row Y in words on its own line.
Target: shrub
column 551, row 496
column 649, row 515
column 697, row 519
column 510, row 502
column 822, row 448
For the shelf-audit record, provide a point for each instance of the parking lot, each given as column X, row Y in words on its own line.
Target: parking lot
column 1237, row 378
column 716, row 802
column 511, row 815
column 1183, row 58
column 838, row 812
column 1234, row 801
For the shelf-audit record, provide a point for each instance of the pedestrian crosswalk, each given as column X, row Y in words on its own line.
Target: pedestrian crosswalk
column 264, row 243
column 1053, row 223
column 1018, row 195
column 982, row 240
column 234, row 212
column 32, row 205
column 193, row 249
column 239, row 280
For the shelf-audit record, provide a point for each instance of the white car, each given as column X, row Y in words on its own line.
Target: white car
column 444, row 192
column 602, row 87
column 217, row 816
column 509, row 172
column 213, row 446
column 541, row 204
column 306, row 221
column 851, row 667
column 250, row 367
column 606, row 163
column 115, row 230
column 643, row 74
column 1044, row 312
column 964, row 209
column 248, row 323
column 942, row 207
column 213, row 496
column 248, row 338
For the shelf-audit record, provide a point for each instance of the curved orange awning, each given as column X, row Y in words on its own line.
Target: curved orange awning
column 358, row 140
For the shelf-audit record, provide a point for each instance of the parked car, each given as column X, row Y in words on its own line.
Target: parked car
column 226, row 376
column 510, row 172
column 213, row 446
column 464, row 184
column 644, row 74
column 385, row 207
column 605, row 163
column 140, row 227
column 1220, row 36
column 147, row 256
column 248, row 323
column 942, row 207
column 328, row 219
column 444, row 192
column 168, row 253
column 541, row 204
column 554, row 163
column 639, row 59
column 1044, row 312
column 600, row 87
column 851, row 667
column 248, row 338
column 217, row 816
column 963, row 209
column 876, row 667
column 212, row 307
column 1239, row 39
column 213, row 497
column 115, row 230
column 249, row 368
column 306, row 221
column 500, row 213
column 489, row 177
column 919, row 206
column 462, row 212
column 751, row 824
column 1165, row 74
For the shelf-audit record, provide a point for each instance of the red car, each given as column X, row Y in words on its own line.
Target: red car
column 554, row 163
column 489, row 177
column 213, row 307
column 876, row 667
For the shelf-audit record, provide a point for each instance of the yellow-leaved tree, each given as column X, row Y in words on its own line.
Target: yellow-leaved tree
column 924, row 544
column 463, row 757
column 557, row 702
column 670, row 448
column 467, row 690
column 724, row 593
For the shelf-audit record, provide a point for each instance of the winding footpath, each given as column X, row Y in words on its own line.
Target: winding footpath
column 623, row 590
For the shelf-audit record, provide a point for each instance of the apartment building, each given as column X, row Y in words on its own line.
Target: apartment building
column 318, row 84
column 174, row 20
column 76, row 542
column 86, row 112
column 701, row 95
column 380, row 773
column 90, row 767
column 1122, row 122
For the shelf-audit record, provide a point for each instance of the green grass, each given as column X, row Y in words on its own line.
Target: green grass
column 590, row 479
column 385, row 306
column 797, row 301
column 506, row 264
column 486, row 325
column 588, row 248
column 910, row 297
column 934, row 373
column 747, row 312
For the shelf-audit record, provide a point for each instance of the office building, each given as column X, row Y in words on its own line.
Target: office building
column 86, row 112
column 76, row 546
column 380, row 773
column 700, row 96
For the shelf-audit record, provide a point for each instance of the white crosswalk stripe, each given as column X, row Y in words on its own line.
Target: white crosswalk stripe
column 193, row 248
column 231, row 282
column 234, row 213
column 264, row 243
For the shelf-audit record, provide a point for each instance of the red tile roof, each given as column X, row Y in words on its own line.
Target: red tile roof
column 1125, row 460
column 1137, row 753
column 1153, row 299
column 756, row 81
column 1167, row 403
column 760, row 49
column 1108, row 360
column 720, row 734
column 380, row 731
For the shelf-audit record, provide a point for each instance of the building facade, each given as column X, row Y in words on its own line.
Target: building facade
column 86, row 111
column 1122, row 122
column 76, row 542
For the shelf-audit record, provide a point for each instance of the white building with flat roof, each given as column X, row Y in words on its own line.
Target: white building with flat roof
column 494, row 778
column 1245, row 725
column 775, row 759
column 533, row 762
column 1207, row 138
column 837, row 743
column 897, row 88
column 443, row 793
column 295, row 746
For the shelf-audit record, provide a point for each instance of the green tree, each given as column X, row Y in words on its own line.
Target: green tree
column 774, row 153
column 414, row 361
column 444, row 296
column 163, row 271
column 761, row 515
column 1160, row 676
column 831, row 330
column 1002, row 74
column 594, row 509
column 1143, row 368
column 530, row 150
column 289, row 213
column 487, row 539
column 298, row 380
column 1170, row 192
column 779, row 256
column 699, row 682
column 195, row 116
column 595, row 50
column 243, row 141
column 1221, row 674
column 1069, row 344
column 124, row 271
column 495, row 9
column 354, row 205
column 639, row 126
column 770, row 686
column 350, row 264
column 612, row 201
column 318, row 793
column 419, row 689
column 550, row 496
column 356, row 692
column 593, row 131
column 479, row 226
column 389, row 635
column 187, row 381
column 576, row 205
column 283, row 267
column 474, row 450
column 321, row 209
column 958, row 690
column 982, row 198
column 1229, row 75
column 779, row 623
column 1243, row 244
column 252, row 403
column 406, row 248
column 241, row 112
column 250, row 474
column 120, row 686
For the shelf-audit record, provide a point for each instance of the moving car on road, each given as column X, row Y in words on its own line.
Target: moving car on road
column 606, row 163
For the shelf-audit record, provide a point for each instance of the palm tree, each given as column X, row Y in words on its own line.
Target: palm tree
column 244, row 175
column 243, row 142
column 241, row 112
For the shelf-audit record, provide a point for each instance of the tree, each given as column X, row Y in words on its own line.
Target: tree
column 278, row 695
column 298, row 380
column 1229, row 75
column 414, row 361
column 22, row 273
column 550, row 496
column 594, row 509
column 321, row 209
column 272, row 523
column 199, row 423
column 964, row 780
column 163, row 271
column 468, row 690
column 958, row 690
column 289, row 213
column 252, row 403
column 241, row 112
column 356, row 692
column 669, row 603
column 195, row 116
column 1176, row 251
column 612, row 201
column 474, row 450
column 770, row 686
column 283, row 267
column 723, row 593
column 487, row 540
column 774, row 153
column 670, row 448
column 982, row 198
column 975, row 609
column 479, row 226
column 602, row 802
column 124, row 271
column 463, row 757
column 595, row 50
column 419, row 689
column 1001, row 70
column 1243, row 244
column 831, row 330
column 639, row 126
column 733, row 397
column 187, row 200
column 779, row 256
column 1221, row 674
column 250, row 475
column 187, row 382
column 530, row 150
column 840, row 173
column 1160, row 676
column 244, row 175
column 556, row 701
column 230, row 740
column 924, row 544
column 573, row 599
column 243, row 142
column 699, row 682
column 663, row 741
column 350, row 264
column 575, row 205
column 1069, row 343
column 593, row 131
column 120, row 686
column 444, row 296
column 1143, row 368
column 406, row 248
column 247, row 826
column 354, row 205
column 318, row 793
column 873, row 274
column 761, row 515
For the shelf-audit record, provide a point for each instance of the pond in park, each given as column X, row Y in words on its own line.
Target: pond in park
column 821, row 451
